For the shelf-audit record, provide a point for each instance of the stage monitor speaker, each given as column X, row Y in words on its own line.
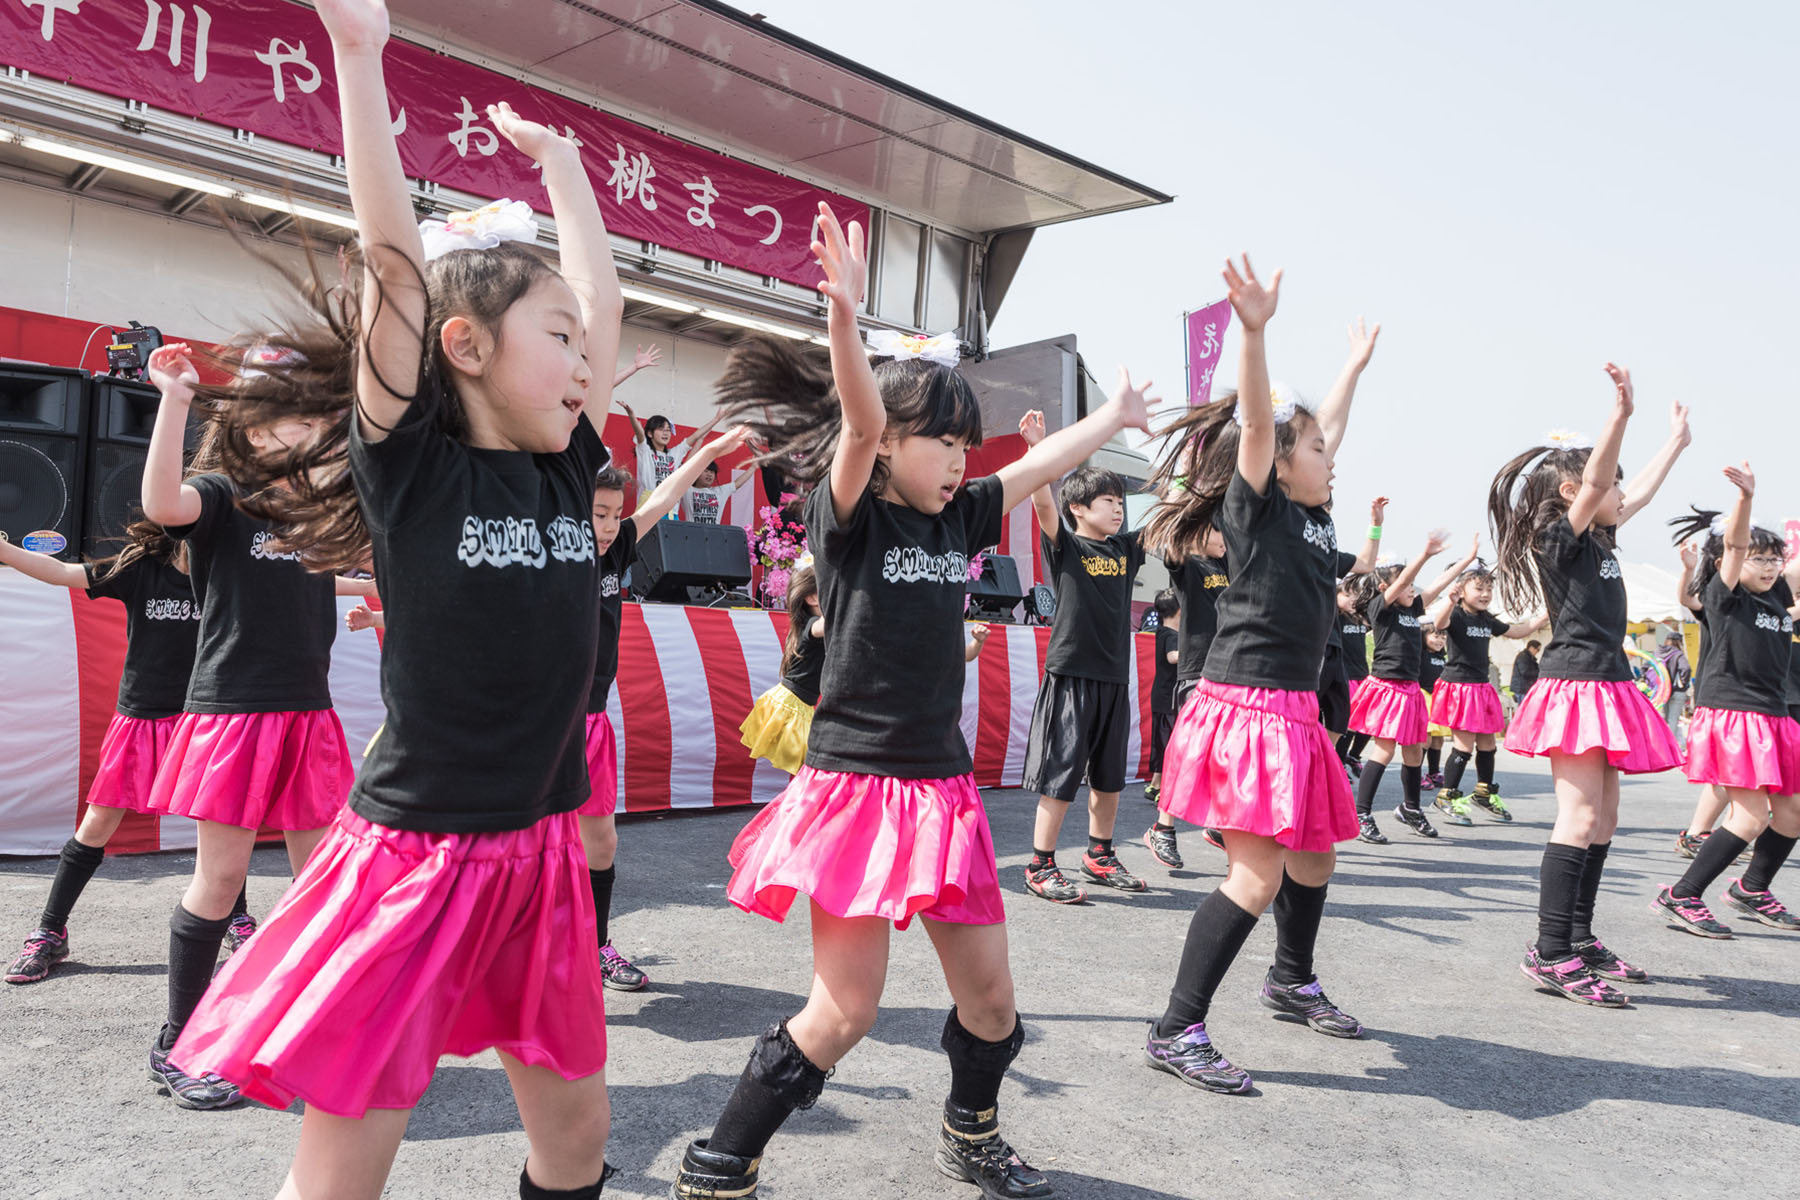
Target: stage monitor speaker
column 678, row 555
column 996, row 591
column 43, row 411
column 124, row 414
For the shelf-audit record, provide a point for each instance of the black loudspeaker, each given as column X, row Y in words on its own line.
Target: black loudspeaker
column 43, row 415
column 124, row 413
column 997, row 592
column 678, row 555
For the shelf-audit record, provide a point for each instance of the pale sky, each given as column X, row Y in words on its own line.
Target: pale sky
column 1517, row 193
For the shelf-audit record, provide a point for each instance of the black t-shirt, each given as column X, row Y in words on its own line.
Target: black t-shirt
column 1399, row 638
column 892, row 581
column 1524, row 673
column 1090, row 636
column 1793, row 676
column 1469, row 636
column 1749, row 642
column 1334, row 636
column 1162, row 687
column 1584, row 589
column 1431, row 667
column 803, row 674
column 1200, row 581
column 620, row 555
column 1274, row 617
column 486, row 564
column 266, row 622
column 162, row 629
column 1353, row 637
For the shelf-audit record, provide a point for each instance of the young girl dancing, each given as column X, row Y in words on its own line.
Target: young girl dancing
column 1389, row 706
column 1465, row 702
column 781, row 719
column 1742, row 741
column 883, row 823
column 161, row 620
column 658, row 453
column 1555, row 511
column 1432, row 661
column 449, row 909
column 1248, row 754
column 1352, row 640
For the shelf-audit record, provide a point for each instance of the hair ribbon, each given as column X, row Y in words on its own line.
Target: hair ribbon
column 482, row 229
column 944, row 349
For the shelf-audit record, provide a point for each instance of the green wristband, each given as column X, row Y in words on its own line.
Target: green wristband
column 1375, row 531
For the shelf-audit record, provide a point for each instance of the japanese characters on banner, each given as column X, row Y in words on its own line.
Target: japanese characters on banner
column 265, row 66
column 1205, row 339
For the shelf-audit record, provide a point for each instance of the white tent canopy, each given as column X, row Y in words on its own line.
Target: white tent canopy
column 1650, row 593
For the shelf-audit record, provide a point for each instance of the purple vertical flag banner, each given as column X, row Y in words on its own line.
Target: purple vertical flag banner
column 1205, row 339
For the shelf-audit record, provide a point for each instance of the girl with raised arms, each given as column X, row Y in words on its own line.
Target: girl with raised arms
column 883, row 823
column 1556, row 510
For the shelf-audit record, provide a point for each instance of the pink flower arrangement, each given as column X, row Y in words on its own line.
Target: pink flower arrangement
column 778, row 542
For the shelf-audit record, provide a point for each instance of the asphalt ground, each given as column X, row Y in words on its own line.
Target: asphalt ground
column 1468, row 1083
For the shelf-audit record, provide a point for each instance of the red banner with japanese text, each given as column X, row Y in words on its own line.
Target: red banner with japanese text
column 265, row 66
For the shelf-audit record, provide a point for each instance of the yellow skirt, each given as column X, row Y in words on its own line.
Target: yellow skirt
column 1436, row 731
column 777, row 728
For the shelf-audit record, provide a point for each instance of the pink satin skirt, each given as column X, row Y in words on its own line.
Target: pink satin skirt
column 1388, row 708
column 274, row 770
column 1467, row 707
column 1574, row 716
column 603, row 768
column 130, row 753
column 1729, row 748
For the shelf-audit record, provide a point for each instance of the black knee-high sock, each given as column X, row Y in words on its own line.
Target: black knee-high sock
column 1409, row 786
column 1772, row 849
column 777, row 1080
column 1358, row 744
column 193, row 953
column 1343, row 745
column 242, row 906
column 977, row 1066
column 531, row 1191
column 1715, row 854
column 1215, row 935
column 1454, row 768
column 602, row 883
column 1298, row 911
column 1484, row 767
column 1367, row 785
column 74, row 867
column 1434, row 758
column 1559, row 882
column 1581, row 921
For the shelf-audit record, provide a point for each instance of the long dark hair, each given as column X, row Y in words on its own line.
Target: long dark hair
column 1699, row 521
column 307, row 370
column 1526, row 499
column 143, row 539
column 787, row 398
column 1364, row 588
column 1197, row 465
column 801, row 584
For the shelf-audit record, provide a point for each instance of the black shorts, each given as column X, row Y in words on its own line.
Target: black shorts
column 1162, row 724
column 1080, row 727
column 1184, row 688
column 1334, row 696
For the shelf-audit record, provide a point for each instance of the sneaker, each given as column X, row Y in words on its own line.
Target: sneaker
column 1152, row 792
column 206, row 1091
column 617, row 973
column 238, row 932
column 1606, row 964
column 1368, row 831
column 1308, row 1002
column 1571, row 978
column 1415, row 821
column 1107, row 869
column 971, row 1149
column 1688, row 844
column 1434, row 779
column 43, row 950
column 1162, row 844
column 1690, row 913
column 1355, row 765
column 1454, row 806
column 1761, row 905
column 1047, row 881
column 1192, row 1058
column 704, row 1174
column 1487, row 799
column 1213, row 838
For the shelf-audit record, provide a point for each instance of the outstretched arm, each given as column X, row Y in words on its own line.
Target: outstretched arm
column 978, row 636
column 1043, row 502
column 1064, row 450
column 1642, row 489
column 167, row 500
column 699, row 435
column 1450, row 576
column 1371, row 549
column 1527, row 628
column 637, row 427
column 1690, row 558
column 363, row 617
column 845, row 260
column 1410, row 573
column 659, row 503
column 1737, row 526
column 346, row 586
column 1598, row 478
column 41, row 567
column 1334, row 412
column 1254, row 305
column 643, row 358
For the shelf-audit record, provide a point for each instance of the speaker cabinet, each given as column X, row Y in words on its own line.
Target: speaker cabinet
column 43, row 415
column 677, row 555
column 124, row 413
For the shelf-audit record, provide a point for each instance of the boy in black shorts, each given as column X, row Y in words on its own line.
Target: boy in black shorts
column 1081, row 725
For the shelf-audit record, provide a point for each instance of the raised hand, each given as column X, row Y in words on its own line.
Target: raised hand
column 172, row 370
column 359, row 618
column 537, row 141
column 728, row 441
column 1031, row 427
column 1362, row 340
column 1742, row 479
column 1679, row 433
column 1475, row 548
column 1135, row 403
column 1378, row 510
column 1621, row 378
column 845, row 260
column 979, row 633
column 1250, row 299
column 1690, row 554
column 354, row 24
column 1437, row 543
column 647, row 358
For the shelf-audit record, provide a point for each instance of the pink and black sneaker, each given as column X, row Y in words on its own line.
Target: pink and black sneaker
column 1689, row 913
column 1761, row 905
column 1571, row 978
column 1603, row 962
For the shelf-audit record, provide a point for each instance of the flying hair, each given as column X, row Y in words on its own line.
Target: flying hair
column 1700, row 522
column 801, row 584
column 1524, row 501
column 1364, row 588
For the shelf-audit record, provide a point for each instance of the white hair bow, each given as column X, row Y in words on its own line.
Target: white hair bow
column 1283, row 400
column 1568, row 439
column 265, row 355
column 483, row 229
column 942, row 348
column 1718, row 526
